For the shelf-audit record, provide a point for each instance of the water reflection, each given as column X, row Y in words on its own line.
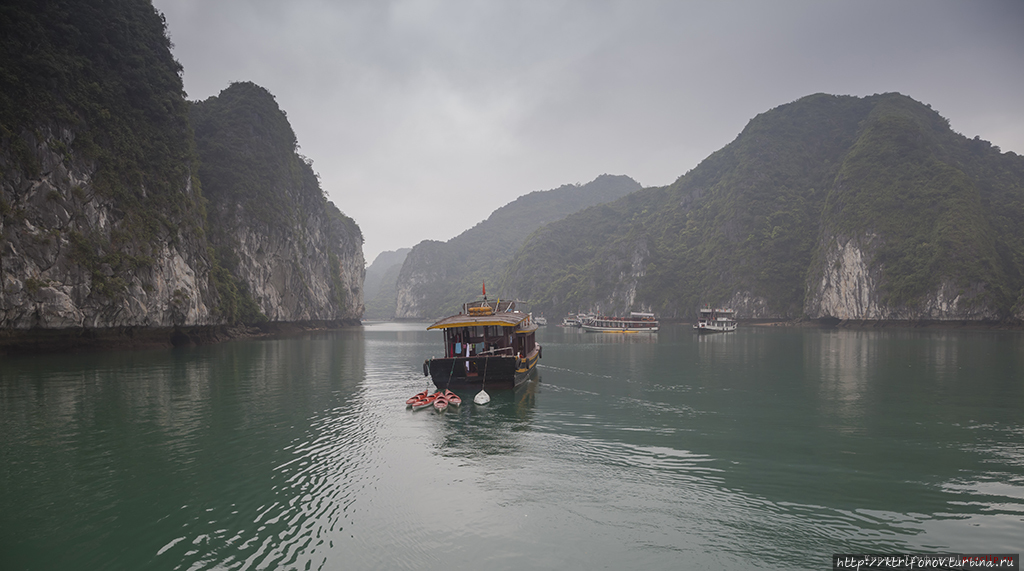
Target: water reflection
column 763, row 448
column 836, row 362
column 149, row 441
column 599, row 337
column 475, row 431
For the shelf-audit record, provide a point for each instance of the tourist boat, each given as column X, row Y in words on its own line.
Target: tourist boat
column 488, row 344
column 571, row 320
column 541, row 321
column 715, row 320
column 637, row 322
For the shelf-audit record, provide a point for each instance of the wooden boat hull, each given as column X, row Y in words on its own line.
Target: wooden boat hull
column 598, row 329
column 491, row 371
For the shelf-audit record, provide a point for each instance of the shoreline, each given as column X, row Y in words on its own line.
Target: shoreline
column 889, row 324
column 85, row 339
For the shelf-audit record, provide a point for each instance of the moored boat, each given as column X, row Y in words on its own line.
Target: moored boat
column 416, row 397
column 453, row 399
column 715, row 320
column 424, row 402
column 637, row 322
column 441, row 403
column 488, row 344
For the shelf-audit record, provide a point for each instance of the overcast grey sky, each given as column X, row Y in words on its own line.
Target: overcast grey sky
column 422, row 117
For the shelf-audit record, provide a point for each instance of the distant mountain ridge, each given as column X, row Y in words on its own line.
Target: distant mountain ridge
column 828, row 207
column 437, row 277
column 380, row 285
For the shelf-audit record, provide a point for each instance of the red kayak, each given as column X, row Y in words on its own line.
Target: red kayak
column 453, row 399
column 441, row 403
column 425, row 401
column 417, row 397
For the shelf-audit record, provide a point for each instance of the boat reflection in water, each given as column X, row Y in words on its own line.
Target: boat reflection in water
column 597, row 337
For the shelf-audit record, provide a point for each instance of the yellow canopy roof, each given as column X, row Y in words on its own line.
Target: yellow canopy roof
column 502, row 319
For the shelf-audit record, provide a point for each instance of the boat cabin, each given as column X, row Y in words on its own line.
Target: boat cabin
column 472, row 340
column 487, row 338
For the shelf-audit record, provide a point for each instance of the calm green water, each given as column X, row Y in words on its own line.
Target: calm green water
column 764, row 449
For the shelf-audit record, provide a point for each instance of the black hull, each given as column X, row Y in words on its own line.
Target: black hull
column 492, row 372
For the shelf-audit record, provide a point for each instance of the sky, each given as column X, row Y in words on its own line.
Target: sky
column 423, row 116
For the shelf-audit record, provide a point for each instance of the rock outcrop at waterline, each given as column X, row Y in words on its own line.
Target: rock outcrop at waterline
column 103, row 220
column 848, row 289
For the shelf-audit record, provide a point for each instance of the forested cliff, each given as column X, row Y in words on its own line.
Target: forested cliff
column 437, row 277
column 828, row 207
column 293, row 253
column 380, row 286
column 104, row 222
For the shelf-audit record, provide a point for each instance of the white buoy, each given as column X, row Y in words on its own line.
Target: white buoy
column 482, row 397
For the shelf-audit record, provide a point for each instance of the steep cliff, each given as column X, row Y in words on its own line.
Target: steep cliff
column 380, row 286
column 437, row 277
column 828, row 207
column 914, row 223
column 101, row 222
column 293, row 252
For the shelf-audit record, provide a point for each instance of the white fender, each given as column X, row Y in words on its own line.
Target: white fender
column 482, row 397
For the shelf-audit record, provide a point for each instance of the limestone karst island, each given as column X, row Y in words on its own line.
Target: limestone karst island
column 131, row 215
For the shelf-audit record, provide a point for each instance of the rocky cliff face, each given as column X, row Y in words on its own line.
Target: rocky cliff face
column 848, row 288
column 310, row 274
column 622, row 273
column 293, row 252
column 67, row 260
column 380, row 286
column 425, row 266
column 104, row 226
column 101, row 225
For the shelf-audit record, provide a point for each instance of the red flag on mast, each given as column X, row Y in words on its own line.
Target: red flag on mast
column 485, row 288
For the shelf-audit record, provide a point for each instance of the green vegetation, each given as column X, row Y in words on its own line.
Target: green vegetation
column 449, row 273
column 235, row 304
column 380, row 284
column 253, row 177
column 248, row 152
column 95, row 84
column 114, row 83
column 107, row 261
column 750, row 217
column 104, row 91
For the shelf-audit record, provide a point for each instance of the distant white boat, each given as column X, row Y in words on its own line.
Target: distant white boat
column 635, row 323
column 715, row 320
column 540, row 320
